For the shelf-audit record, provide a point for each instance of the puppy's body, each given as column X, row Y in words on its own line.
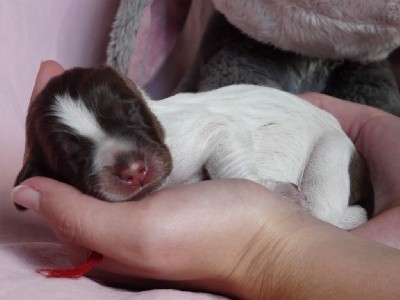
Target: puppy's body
column 244, row 123
column 95, row 130
column 265, row 135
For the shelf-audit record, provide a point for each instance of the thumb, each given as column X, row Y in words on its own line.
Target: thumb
column 79, row 218
column 47, row 70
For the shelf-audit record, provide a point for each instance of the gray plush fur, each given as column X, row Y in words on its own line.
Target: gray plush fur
column 123, row 34
column 227, row 56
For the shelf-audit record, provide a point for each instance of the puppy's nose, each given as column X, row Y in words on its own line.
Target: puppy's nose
column 134, row 173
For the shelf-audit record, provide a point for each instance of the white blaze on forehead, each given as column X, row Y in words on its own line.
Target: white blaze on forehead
column 74, row 114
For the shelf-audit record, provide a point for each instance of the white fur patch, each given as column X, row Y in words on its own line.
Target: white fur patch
column 107, row 150
column 74, row 114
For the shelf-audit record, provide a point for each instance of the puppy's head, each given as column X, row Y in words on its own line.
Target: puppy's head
column 91, row 128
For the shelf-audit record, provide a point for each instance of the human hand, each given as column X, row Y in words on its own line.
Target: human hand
column 376, row 135
column 212, row 236
column 231, row 237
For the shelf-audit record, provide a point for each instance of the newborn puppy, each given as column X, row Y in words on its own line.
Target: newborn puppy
column 90, row 128
column 94, row 129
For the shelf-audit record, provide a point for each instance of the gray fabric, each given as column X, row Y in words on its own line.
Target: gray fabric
column 227, row 56
column 123, row 33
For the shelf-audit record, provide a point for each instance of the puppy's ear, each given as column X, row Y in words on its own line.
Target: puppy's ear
column 29, row 169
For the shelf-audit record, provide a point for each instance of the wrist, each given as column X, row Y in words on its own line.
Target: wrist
column 302, row 257
column 274, row 256
column 312, row 259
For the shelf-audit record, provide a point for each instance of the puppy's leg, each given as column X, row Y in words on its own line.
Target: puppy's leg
column 231, row 153
column 326, row 182
column 232, row 156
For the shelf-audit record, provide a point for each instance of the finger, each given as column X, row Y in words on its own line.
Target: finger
column 83, row 220
column 47, row 70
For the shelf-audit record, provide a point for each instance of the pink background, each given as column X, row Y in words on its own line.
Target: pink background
column 74, row 33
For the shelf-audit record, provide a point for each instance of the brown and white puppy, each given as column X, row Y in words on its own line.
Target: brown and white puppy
column 91, row 129
column 94, row 129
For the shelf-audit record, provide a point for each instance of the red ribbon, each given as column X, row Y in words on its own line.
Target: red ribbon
column 92, row 259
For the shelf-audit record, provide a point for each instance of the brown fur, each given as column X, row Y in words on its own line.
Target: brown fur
column 54, row 150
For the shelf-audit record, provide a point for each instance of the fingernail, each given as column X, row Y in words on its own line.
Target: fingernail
column 26, row 197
